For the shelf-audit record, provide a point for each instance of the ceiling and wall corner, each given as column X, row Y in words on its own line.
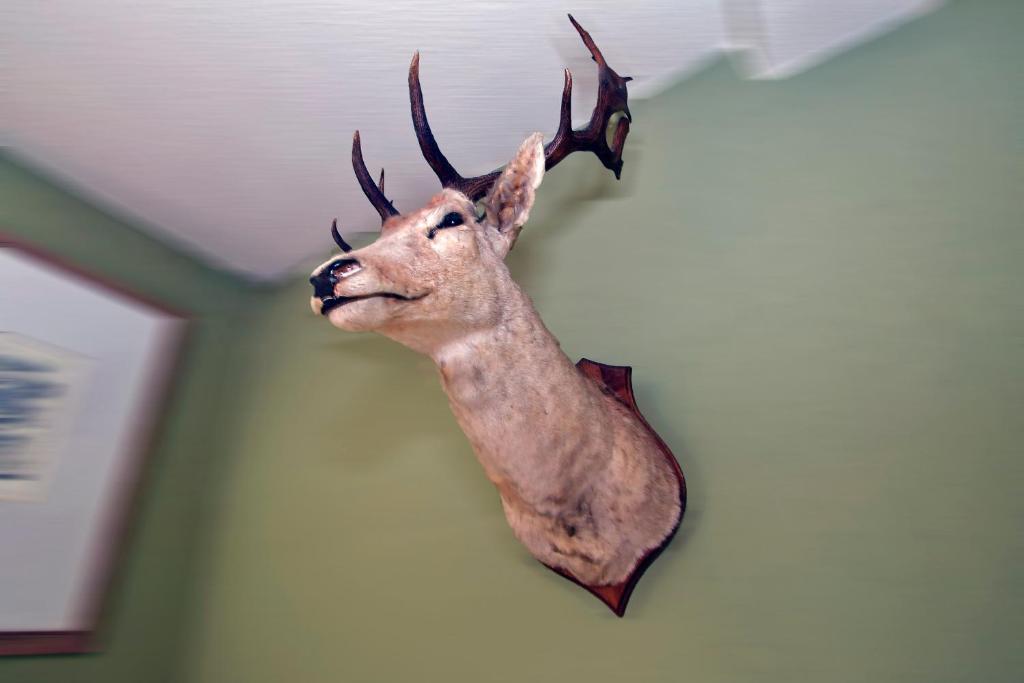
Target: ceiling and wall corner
column 781, row 38
column 226, row 127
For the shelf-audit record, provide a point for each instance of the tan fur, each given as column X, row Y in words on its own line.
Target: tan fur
column 583, row 484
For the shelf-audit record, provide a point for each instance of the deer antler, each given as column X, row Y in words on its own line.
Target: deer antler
column 373, row 192
column 612, row 105
column 338, row 239
column 611, row 102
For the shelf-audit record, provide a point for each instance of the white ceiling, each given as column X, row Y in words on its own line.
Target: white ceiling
column 226, row 126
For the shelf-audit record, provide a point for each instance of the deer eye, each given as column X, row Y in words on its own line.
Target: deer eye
column 450, row 220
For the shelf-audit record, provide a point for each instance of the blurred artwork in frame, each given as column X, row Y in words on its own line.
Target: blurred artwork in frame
column 39, row 385
column 84, row 369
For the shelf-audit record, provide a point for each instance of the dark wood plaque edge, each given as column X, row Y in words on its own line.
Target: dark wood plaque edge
column 618, row 380
column 126, row 497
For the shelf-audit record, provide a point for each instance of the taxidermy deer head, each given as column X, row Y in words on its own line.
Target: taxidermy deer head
column 586, row 485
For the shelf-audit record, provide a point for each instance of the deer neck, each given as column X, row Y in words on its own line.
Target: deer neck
column 513, row 391
column 516, row 351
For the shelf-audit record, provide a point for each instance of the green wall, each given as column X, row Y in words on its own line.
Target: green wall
column 818, row 283
column 142, row 633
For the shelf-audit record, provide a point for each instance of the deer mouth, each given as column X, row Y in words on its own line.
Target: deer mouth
column 329, row 303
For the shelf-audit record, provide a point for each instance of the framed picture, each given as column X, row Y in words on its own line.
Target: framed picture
column 83, row 368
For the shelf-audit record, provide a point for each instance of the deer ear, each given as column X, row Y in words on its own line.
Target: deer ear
column 507, row 205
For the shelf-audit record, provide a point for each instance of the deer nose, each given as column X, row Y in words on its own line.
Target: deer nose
column 324, row 281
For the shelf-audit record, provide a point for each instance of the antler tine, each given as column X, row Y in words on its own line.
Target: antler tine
column 595, row 53
column 445, row 172
column 338, row 239
column 374, row 193
column 558, row 148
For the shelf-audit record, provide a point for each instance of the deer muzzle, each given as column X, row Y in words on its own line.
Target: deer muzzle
column 326, row 279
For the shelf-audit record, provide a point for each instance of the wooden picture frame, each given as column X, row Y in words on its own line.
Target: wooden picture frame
column 84, row 368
